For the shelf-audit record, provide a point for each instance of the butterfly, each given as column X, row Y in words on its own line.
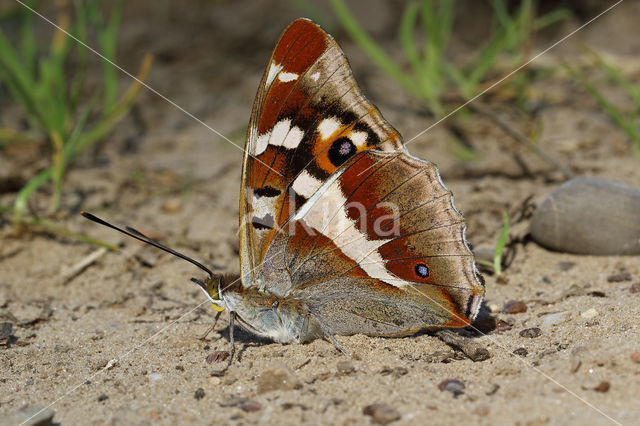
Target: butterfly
column 341, row 230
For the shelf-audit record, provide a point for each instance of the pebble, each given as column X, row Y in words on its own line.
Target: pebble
column 345, row 367
column 32, row 415
column 589, row 215
column 250, row 406
column 146, row 257
column 103, row 397
column 233, row 401
column 277, row 378
column 565, row 266
column 502, row 325
column 589, row 314
column 456, row 387
column 494, row 308
column 482, row 410
column 531, row 332
column 636, row 357
column 602, row 387
column 635, row 288
column 514, row 307
column 521, row 351
column 554, row 319
column 619, row 277
column 395, row 372
column 199, row 393
column 381, row 413
column 172, row 205
column 154, row 377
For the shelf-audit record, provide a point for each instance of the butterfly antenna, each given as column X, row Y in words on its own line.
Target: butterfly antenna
column 134, row 233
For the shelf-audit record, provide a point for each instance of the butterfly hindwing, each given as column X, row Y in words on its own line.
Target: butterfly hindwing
column 309, row 117
column 386, row 233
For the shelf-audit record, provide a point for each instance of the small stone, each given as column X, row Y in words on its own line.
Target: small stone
column 61, row 348
column 481, row 410
column 602, row 387
column 381, row 413
column 146, row 258
column 597, row 293
column 214, row 381
column 250, row 406
column 635, row 288
column 289, row 405
column 277, row 378
column 589, row 314
column 395, row 372
column 531, row 332
column 233, row 401
column 494, row 308
column 32, row 415
column 554, row 319
column 154, row 377
column 456, row 387
column 514, row 307
column 199, row 394
column 103, row 397
column 502, row 325
column 636, row 357
column 179, row 368
column 345, row 367
column 565, row 266
column 619, row 277
column 521, row 352
column 217, row 356
column 171, row 206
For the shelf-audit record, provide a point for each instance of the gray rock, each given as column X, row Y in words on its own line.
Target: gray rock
column 590, row 215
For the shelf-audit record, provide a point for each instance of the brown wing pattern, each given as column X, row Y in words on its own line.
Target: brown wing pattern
column 309, row 117
column 385, row 227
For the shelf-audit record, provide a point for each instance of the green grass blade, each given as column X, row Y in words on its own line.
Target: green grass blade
column 369, row 46
column 20, row 203
column 500, row 245
column 108, row 43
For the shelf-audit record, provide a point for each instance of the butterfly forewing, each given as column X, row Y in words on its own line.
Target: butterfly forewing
column 309, row 117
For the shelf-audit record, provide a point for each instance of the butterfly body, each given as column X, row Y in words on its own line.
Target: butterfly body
column 342, row 231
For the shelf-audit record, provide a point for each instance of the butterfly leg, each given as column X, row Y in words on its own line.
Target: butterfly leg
column 210, row 329
column 331, row 337
column 232, row 351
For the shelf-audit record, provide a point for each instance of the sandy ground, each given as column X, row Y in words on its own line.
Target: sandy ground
column 171, row 177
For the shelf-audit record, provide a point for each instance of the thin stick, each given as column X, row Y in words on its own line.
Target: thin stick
column 76, row 269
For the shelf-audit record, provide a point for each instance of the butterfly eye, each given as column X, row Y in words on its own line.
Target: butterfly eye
column 421, row 270
column 341, row 150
